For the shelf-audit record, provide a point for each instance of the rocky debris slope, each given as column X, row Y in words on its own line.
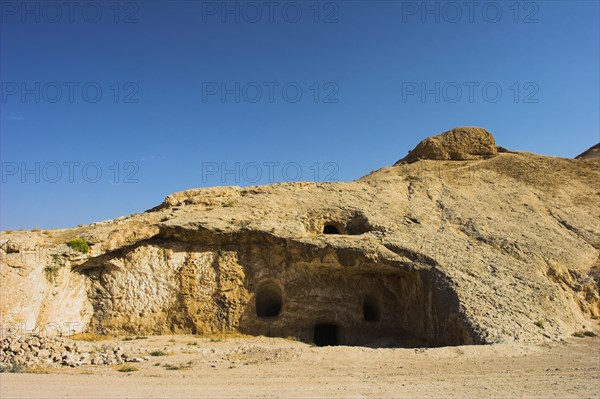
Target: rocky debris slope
column 461, row 143
column 474, row 246
column 38, row 350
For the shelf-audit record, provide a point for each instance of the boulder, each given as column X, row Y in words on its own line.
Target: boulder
column 461, row 143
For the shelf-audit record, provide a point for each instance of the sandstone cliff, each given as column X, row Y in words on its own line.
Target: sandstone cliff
column 458, row 244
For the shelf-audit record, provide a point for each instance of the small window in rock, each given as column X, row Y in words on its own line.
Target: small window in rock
column 370, row 310
column 330, row 229
column 268, row 302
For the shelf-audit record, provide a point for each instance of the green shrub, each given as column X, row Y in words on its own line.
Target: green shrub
column 158, row 353
column 79, row 244
column 186, row 366
column 132, row 338
column 13, row 368
column 127, row 369
column 540, row 323
column 51, row 270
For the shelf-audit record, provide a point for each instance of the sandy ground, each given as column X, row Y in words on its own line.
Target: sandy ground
column 263, row 367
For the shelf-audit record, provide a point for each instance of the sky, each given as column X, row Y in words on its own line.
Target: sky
column 109, row 106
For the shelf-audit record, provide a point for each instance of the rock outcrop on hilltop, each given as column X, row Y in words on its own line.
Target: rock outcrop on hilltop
column 459, row 144
column 476, row 246
column 591, row 153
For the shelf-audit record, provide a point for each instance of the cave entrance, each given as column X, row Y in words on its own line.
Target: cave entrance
column 326, row 335
column 330, row 229
column 268, row 302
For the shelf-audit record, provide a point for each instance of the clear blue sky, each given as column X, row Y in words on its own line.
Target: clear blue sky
column 167, row 117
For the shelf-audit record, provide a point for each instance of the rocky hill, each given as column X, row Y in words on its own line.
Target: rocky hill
column 460, row 242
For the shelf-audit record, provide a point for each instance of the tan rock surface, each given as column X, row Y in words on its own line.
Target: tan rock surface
column 461, row 143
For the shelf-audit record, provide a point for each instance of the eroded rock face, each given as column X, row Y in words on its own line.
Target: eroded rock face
column 461, row 143
column 264, row 285
column 40, row 291
column 434, row 252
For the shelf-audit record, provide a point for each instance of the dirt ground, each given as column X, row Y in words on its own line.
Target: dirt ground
column 263, row 367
